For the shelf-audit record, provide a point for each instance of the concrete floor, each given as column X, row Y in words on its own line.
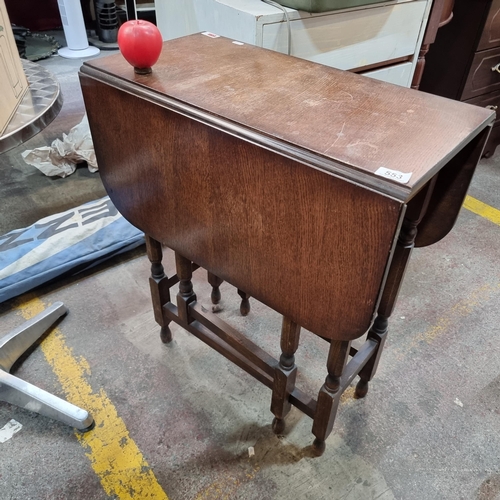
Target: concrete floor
column 176, row 421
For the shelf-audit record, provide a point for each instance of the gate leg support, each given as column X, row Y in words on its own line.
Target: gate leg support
column 285, row 374
column 329, row 394
column 158, row 283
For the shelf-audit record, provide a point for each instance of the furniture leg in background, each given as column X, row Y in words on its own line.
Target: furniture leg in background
column 215, row 296
column 285, row 374
column 441, row 14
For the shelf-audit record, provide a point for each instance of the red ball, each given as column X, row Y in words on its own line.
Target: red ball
column 140, row 43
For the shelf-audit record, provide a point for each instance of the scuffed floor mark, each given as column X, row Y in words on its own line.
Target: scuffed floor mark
column 490, row 488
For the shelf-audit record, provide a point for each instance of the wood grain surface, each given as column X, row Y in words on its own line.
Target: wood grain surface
column 309, row 245
column 346, row 119
column 211, row 155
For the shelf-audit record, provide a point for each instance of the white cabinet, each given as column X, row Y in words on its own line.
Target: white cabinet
column 379, row 40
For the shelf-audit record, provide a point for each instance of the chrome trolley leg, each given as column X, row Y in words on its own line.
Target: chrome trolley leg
column 25, row 395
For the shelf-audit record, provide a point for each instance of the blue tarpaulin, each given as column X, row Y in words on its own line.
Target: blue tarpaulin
column 60, row 243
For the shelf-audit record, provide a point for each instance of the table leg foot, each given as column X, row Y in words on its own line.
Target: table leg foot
column 245, row 302
column 285, row 374
column 216, row 282
column 87, row 429
column 361, row 389
column 329, row 395
column 165, row 335
column 215, row 296
column 278, row 425
column 318, row 447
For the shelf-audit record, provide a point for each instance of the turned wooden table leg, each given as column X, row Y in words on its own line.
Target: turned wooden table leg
column 285, row 374
column 406, row 241
column 329, row 394
column 215, row 296
column 186, row 294
column 245, row 302
column 216, row 282
column 158, row 283
column 378, row 332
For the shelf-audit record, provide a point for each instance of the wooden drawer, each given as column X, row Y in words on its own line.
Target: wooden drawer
column 353, row 39
column 482, row 79
column 491, row 32
column 399, row 74
column 491, row 100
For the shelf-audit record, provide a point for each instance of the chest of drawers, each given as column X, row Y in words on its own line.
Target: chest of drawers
column 464, row 62
column 379, row 40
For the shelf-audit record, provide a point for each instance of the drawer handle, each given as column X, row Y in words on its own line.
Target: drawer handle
column 496, row 68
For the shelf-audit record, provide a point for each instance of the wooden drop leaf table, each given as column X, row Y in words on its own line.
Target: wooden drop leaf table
column 303, row 186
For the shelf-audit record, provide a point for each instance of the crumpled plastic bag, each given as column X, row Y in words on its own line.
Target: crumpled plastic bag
column 62, row 157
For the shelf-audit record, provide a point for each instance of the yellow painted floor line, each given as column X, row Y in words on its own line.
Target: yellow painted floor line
column 456, row 314
column 480, row 208
column 113, row 454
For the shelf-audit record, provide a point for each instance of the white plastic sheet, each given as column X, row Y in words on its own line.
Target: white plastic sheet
column 62, row 156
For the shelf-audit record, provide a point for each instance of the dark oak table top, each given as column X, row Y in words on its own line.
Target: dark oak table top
column 262, row 168
column 337, row 121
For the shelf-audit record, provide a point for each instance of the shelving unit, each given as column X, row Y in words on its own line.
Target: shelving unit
column 380, row 40
column 134, row 8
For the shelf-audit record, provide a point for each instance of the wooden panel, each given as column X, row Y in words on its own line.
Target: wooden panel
column 449, row 193
column 491, row 100
column 482, row 78
column 353, row 39
column 337, row 121
column 491, row 32
column 282, row 231
column 493, row 142
column 447, row 13
column 441, row 14
column 399, row 74
column 448, row 62
column 13, row 83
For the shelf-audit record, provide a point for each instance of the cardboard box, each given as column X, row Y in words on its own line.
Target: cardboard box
column 13, row 83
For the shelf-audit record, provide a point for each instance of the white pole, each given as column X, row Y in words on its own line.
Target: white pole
column 74, row 31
